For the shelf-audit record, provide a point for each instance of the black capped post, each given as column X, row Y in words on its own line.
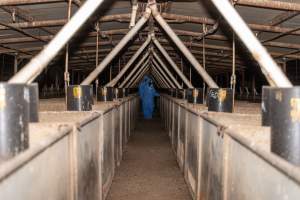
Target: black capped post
column 14, row 119
column 285, row 123
column 79, row 98
column 220, row 100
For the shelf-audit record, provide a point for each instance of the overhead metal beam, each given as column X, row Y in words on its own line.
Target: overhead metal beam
column 162, row 64
column 40, row 62
column 164, row 25
column 155, row 77
column 165, row 84
column 271, row 70
column 274, row 5
column 145, row 65
column 93, row 75
column 136, row 67
column 27, row 2
column 171, row 62
column 113, row 82
column 163, row 74
column 138, row 76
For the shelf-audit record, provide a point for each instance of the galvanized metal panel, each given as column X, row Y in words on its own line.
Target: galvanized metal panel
column 181, row 137
column 175, row 131
column 252, row 177
column 88, row 161
column 211, row 163
column 118, row 135
column 42, row 172
column 86, row 149
column 191, row 152
column 108, row 162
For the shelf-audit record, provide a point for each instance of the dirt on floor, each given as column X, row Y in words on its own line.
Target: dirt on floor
column 149, row 170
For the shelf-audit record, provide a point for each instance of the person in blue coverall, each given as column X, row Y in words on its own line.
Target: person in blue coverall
column 147, row 94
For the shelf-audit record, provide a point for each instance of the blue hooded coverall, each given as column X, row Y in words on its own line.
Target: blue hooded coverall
column 147, row 94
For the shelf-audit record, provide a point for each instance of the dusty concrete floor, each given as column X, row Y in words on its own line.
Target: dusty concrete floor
column 149, row 170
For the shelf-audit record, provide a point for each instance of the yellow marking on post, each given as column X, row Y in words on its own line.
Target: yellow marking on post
column 2, row 98
column 77, row 92
column 295, row 109
column 222, row 95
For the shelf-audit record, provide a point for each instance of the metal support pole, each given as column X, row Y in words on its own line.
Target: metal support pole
column 153, row 69
column 15, row 64
column 117, row 48
column 136, row 83
column 110, row 72
column 210, row 82
column 139, row 75
column 171, row 62
column 190, row 74
column 165, row 85
column 163, row 74
column 204, row 60
column 66, row 74
column 160, row 84
column 39, row 62
column 160, row 62
column 134, row 69
column 97, row 58
column 130, row 62
column 271, row 70
column 233, row 76
column 136, row 75
column 133, row 13
column 155, row 81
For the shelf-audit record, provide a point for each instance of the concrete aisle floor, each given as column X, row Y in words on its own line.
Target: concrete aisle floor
column 149, row 170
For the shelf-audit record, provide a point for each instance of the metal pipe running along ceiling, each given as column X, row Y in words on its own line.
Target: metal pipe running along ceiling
column 135, row 69
column 202, row 72
column 36, row 65
column 172, row 81
column 130, row 83
column 160, row 62
column 271, row 70
column 113, row 82
column 163, row 74
column 93, row 75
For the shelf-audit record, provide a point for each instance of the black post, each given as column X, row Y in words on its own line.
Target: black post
column 195, row 95
column 14, row 119
column 79, row 98
column 220, row 100
column 285, row 123
column 34, row 102
column 106, row 94
column 265, row 106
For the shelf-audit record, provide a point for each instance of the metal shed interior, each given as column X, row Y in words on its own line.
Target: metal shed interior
column 219, row 50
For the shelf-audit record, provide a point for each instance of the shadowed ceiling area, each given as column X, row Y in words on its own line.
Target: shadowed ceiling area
column 26, row 26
